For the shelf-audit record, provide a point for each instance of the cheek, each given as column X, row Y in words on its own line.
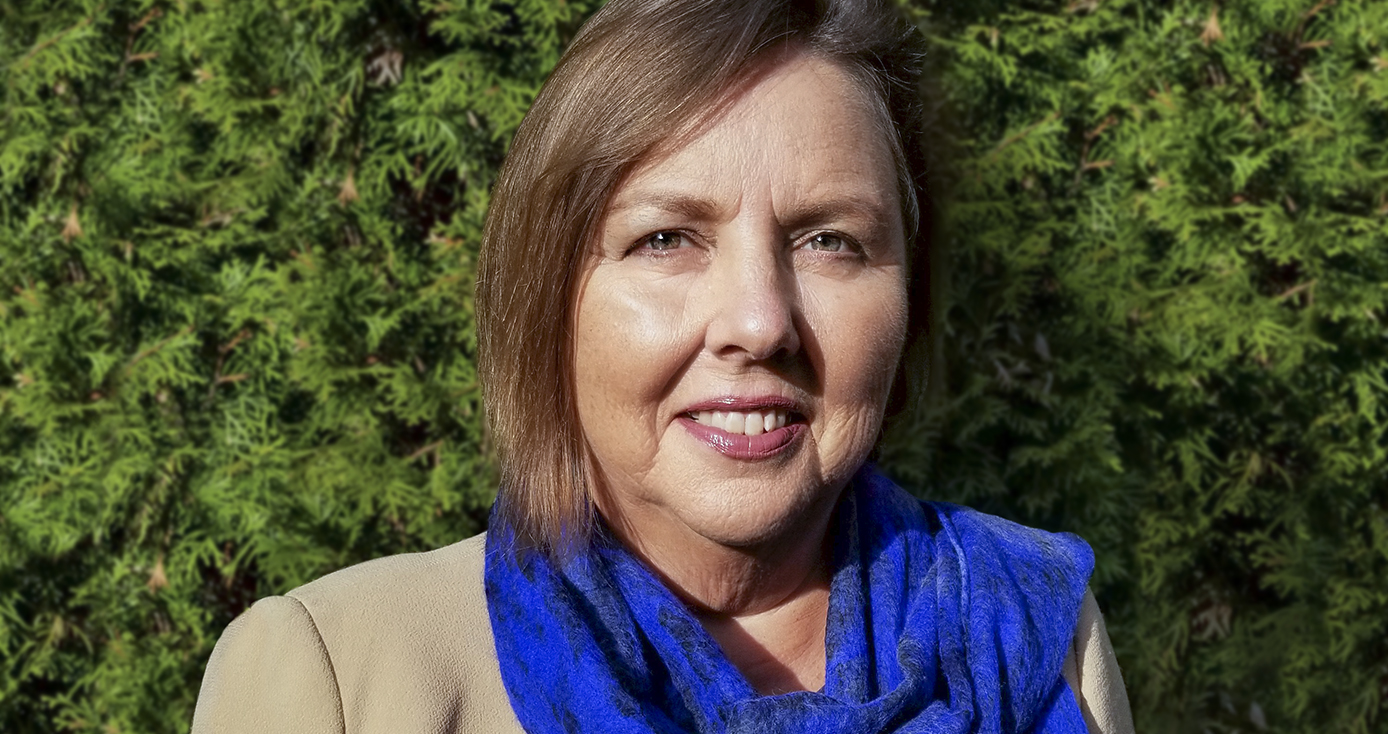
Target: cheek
column 862, row 330
column 627, row 346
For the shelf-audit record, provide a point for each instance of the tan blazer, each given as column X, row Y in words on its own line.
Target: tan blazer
column 404, row 644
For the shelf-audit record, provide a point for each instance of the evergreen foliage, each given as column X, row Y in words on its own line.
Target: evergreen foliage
column 237, row 241
column 1168, row 237
column 236, row 348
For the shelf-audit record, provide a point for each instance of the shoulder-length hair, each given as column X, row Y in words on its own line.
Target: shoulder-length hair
column 638, row 75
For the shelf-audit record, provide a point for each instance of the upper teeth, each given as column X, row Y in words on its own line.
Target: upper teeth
column 752, row 423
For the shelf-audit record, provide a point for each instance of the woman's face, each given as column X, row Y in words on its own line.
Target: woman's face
column 742, row 318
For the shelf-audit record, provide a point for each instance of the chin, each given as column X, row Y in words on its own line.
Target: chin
column 742, row 516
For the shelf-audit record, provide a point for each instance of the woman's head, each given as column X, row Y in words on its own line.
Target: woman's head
column 710, row 94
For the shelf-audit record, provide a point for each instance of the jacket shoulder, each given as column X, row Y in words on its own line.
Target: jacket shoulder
column 416, row 582
column 1091, row 670
column 411, row 642
column 406, row 639
column 269, row 674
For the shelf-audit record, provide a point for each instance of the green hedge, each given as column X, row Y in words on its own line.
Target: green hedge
column 236, row 348
column 1169, row 266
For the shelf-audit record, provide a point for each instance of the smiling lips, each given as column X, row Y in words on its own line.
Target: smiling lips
column 747, row 430
column 750, row 423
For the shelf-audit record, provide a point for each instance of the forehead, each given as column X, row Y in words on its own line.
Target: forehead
column 801, row 130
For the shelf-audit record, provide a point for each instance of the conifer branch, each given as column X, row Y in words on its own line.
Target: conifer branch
column 1023, row 134
column 424, row 450
column 59, row 36
column 1307, row 286
column 154, row 349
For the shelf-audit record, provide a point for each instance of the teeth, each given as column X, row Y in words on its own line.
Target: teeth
column 754, row 425
column 736, row 423
column 751, row 423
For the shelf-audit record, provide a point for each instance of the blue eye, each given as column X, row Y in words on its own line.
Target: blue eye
column 663, row 241
column 827, row 242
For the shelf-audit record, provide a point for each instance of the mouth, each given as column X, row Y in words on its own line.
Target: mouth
column 746, row 423
column 746, row 429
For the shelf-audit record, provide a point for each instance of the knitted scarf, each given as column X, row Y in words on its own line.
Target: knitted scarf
column 941, row 619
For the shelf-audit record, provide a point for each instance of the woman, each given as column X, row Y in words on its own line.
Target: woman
column 700, row 272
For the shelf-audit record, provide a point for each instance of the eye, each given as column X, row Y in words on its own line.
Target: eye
column 828, row 242
column 662, row 241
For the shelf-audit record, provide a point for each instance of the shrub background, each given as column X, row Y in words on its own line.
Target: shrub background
column 237, row 243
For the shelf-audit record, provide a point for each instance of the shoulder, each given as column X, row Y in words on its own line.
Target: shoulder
column 1041, row 563
column 400, row 643
column 409, row 634
column 421, row 609
column 427, row 587
column 1008, row 536
column 269, row 673
column 1028, row 588
column 1091, row 670
column 977, row 537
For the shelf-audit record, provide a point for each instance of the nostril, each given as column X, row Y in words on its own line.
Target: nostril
column 761, row 329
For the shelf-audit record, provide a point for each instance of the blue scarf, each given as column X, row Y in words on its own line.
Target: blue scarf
column 941, row 619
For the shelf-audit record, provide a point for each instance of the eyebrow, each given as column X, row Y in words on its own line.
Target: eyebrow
column 690, row 207
column 870, row 210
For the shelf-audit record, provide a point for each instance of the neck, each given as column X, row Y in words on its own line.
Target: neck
column 766, row 604
column 715, row 577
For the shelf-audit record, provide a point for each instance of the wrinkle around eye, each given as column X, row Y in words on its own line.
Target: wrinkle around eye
column 850, row 253
column 688, row 255
column 843, row 243
column 684, row 249
column 665, row 240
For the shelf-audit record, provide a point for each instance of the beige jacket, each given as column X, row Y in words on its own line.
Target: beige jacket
column 337, row 656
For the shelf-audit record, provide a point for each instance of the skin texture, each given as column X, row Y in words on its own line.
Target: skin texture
column 764, row 257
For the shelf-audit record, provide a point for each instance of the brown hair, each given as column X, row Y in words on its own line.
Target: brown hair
column 635, row 77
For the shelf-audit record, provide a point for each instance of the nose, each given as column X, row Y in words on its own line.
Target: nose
column 753, row 300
